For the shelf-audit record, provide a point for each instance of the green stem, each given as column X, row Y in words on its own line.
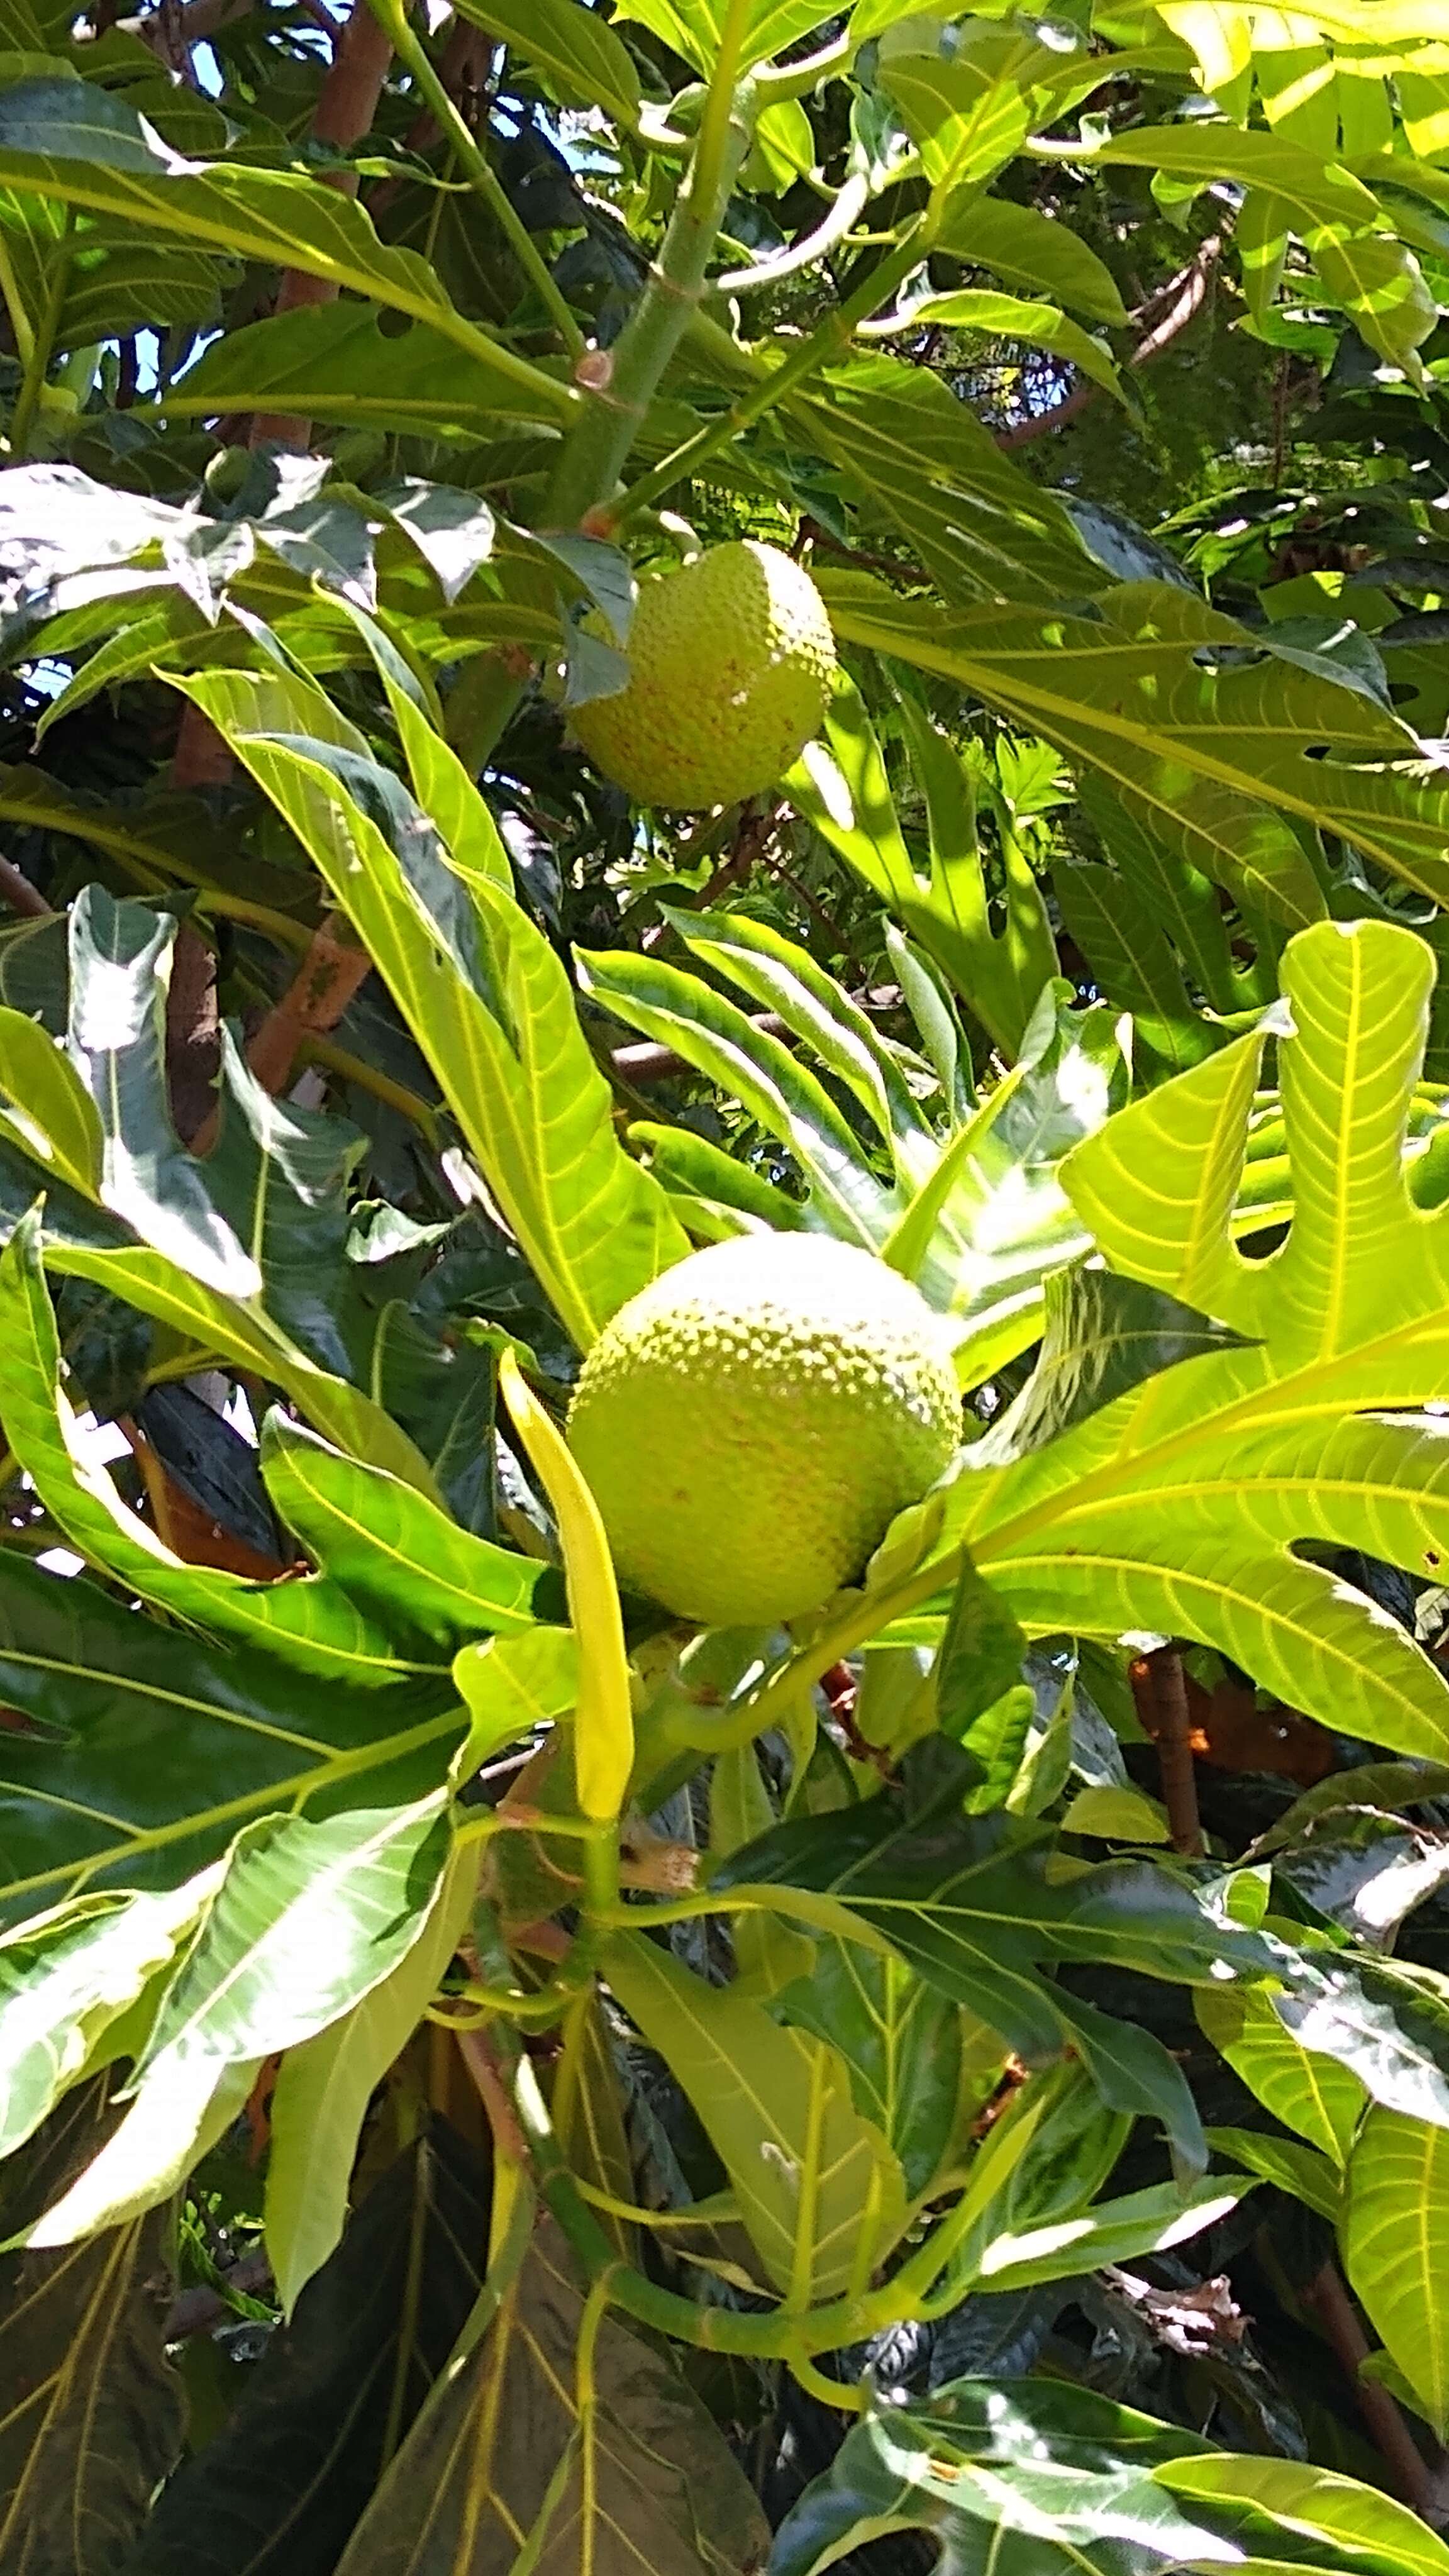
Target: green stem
column 781, row 2336
column 848, row 205
column 27, row 401
column 797, row 80
column 597, row 449
column 830, row 340
column 410, row 49
column 15, row 304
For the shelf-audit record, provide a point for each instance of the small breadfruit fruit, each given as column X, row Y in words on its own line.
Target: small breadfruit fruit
column 752, row 1422
column 730, row 665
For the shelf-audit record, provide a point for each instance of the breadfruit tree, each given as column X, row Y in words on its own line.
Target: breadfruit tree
column 724, row 1288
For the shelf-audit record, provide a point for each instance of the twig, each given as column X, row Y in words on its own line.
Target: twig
column 843, row 944
column 647, row 1063
column 1160, row 1691
column 477, row 2051
column 20, row 894
column 467, row 52
column 1187, row 293
column 193, row 1032
column 196, row 2311
column 1336, row 2313
column 190, row 25
column 748, row 846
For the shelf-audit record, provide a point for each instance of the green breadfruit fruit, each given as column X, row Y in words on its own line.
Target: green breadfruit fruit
column 730, row 666
column 752, row 1422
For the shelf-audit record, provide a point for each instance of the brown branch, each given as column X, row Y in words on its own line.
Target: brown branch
column 190, row 25
column 346, row 107
column 1159, row 1690
column 315, row 1000
column 840, row 939
column 645, row 1064
column 752, row 833
column 193, row 1030
column 1337, row 2315
column 463, row 57
column 478, row 2055
column 197, row 2311
column 1176, row 304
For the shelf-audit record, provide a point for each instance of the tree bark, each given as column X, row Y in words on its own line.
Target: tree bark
column 344, row 113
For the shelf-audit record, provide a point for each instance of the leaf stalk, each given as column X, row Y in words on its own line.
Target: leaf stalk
column 410, row 50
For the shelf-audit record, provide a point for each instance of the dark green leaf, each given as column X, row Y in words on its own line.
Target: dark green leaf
column 277, row 2493
column 90, row 2411
column 93, row 1788
column 507, row 2453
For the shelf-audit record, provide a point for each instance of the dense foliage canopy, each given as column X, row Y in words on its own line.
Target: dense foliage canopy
column 494, row 2079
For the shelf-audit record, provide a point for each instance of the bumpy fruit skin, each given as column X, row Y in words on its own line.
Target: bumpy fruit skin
column 752, row 1422
column 731, row 662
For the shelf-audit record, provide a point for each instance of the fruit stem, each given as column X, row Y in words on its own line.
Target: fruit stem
column 618, row 393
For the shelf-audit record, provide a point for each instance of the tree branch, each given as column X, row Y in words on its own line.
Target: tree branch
column 1159, row 1689
column 346, row 106
column 315, row 1000
column 20, row 894
column 1175, row 304
column 1336, row 2313
column 190, row 24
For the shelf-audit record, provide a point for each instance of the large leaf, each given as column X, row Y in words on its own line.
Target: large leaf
column 102, row 276
column 777, row 2104
column 90, row 2410
column 1042, row 326
column 906, row 2047
column 93, row 1791
column 626, row 2470
column 326, row 2082
column 1178, row 1507
column 1311, row 2093
column 575, row 48
column 173, row 1235
column 278, row 2490
column 1035, row 2477
column 312, row 1623
column 306, row 1920
column 753, row 1066
column 333, row 362
column 1032, row 249
column 930, row 471
column 1342, row 225
column 976, row 1216
column 67, row 1985
column 484, row 994
column 840, row 785
column 1199, row 726
column 1395, row 2242
column 64, row 139
column 399, row 1557
column 973, row 1904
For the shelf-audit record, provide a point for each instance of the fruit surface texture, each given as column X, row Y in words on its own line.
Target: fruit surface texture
column 752, row 1422
column 731, row 662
